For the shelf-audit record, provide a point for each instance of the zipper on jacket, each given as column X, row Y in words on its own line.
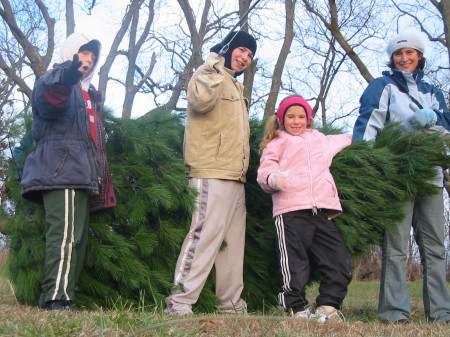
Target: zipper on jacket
column 314, row 208
column 61, row 163
column 89, row 132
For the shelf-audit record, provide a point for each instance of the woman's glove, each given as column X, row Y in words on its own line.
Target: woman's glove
column 71, row 74
column 279, row 180
column 422, row 117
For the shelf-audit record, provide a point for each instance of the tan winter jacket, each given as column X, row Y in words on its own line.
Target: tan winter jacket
column 216, row 138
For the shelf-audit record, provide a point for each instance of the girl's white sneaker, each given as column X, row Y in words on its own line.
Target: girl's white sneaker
column 304, row 315
column 327, row 313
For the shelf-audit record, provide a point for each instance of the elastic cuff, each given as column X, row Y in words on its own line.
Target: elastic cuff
column 433, row 117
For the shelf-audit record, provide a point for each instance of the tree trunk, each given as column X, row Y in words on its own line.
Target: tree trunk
column 114, row 50
column 284, row 52
column 70, row 18
column 334, row 28
column 444, row 8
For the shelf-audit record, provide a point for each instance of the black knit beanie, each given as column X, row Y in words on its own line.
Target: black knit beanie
column 239, row 39
column 92, row 46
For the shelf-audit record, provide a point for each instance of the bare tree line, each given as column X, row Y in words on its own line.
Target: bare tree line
column 315, row 46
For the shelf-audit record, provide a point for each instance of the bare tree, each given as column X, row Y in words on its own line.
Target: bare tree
column 334, row 25
column 132, row 55
column 443, row 8
column 113, row 52
column 332, row 62
column 436, row 33
column 250, row 72
column 340, row 46
column 70, row 17
column 284, row 52
column 330, row 54
column 26, row 34
column 70, row 14
column 197, row 37
column 130, row 25
column 432, row 17
column 186, row 64
column 210, row 23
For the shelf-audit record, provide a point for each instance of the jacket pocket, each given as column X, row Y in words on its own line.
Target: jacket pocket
column 230, row 101
column 221, row 147
column 230, row 93
column 69, row 164
column 61, row 163
column 332, row 187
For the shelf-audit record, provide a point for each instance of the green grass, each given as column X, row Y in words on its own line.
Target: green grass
column 361, row 301
column 359, row 308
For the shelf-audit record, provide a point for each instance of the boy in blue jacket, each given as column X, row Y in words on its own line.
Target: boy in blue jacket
column 68, row 170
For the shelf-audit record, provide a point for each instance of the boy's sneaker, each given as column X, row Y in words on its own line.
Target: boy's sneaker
column 178, row 312
column 238, row 308
column 60, row 305
column 327, row 313
column 303, row 315
column 237, row 311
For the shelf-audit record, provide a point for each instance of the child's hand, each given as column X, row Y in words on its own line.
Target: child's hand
column 279, row 180
column 71, row 74
column 215, row 63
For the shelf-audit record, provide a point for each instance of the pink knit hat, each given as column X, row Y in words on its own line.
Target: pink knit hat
column 290, row 101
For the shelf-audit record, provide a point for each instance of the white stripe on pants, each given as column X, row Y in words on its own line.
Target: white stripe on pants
column 219, row 217
column 67, row 225
column 69, row 205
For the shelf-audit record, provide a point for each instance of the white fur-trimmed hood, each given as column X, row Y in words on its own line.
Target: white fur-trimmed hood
column 71, row 46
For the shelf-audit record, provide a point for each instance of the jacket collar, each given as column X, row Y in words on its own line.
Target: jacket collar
column 417, row 74
column 230, row 71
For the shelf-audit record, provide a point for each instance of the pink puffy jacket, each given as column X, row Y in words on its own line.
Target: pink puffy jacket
column 310, row 183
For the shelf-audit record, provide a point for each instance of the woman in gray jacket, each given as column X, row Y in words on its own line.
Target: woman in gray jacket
column 401, row 95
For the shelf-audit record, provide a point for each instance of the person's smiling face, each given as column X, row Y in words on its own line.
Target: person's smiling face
column 241, row 58
column 406, row 59
column 295, row 120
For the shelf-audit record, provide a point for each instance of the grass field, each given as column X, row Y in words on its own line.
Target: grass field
column 359, row 309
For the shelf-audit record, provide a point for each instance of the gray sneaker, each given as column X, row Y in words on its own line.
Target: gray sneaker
column 178, row 312
column 303, row 315
column 327, row 313
column 238, row 308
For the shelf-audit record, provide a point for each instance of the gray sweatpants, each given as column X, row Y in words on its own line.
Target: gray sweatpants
column 426, row 215
column 216, row 238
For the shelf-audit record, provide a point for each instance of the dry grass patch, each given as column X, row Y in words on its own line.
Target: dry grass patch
column 19, row 320
column 262, row 326
column 359, row 310
column 7, row 294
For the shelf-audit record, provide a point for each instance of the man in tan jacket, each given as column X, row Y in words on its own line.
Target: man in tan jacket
column 216, row 151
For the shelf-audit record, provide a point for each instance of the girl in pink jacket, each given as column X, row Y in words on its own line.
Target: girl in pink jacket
column 294, row 168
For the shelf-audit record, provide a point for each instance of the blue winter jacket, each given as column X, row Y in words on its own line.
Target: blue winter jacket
column 65, row 154
column 386, row 99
